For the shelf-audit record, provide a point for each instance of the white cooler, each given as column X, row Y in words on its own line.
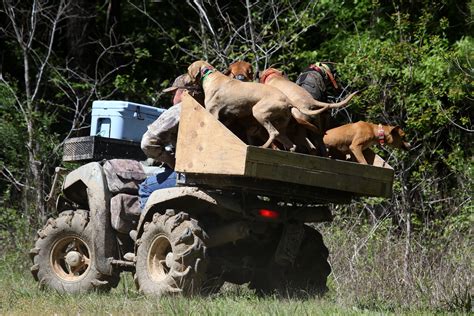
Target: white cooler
column 122, row 119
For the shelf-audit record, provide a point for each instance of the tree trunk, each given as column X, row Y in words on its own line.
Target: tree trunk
column 32, row 145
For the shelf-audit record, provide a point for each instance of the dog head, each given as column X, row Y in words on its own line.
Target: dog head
column 396, row 138
column 196, row 69
column 270, row 72
column 328, row 73
column 240, row 70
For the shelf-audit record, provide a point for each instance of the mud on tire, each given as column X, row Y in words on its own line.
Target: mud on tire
column 171, row 256
column 63, row 256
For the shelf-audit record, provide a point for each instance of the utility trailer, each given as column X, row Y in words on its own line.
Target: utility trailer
column 209, row 154
column 238, row 214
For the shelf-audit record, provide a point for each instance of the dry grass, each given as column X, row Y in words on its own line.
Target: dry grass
column 369, row 277
column 372, row 269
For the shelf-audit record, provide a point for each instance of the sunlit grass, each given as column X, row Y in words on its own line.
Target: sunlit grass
column 368, row 284
column 19, row 294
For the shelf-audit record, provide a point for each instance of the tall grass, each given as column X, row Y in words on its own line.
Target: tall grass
column 369, row 276
column 374, row 267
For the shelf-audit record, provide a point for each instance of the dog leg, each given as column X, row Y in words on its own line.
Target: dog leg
column 286, row 142
column 274, row 134
column 357, row 152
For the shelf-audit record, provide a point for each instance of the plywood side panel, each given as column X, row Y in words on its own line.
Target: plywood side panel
column 319, row 172
column 205, row 145
column 284, row 158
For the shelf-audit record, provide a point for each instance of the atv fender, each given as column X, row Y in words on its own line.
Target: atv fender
column 188, row 199
column 87, row 186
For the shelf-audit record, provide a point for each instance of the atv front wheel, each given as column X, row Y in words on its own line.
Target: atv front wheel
column 63, row 256
column 171, row 256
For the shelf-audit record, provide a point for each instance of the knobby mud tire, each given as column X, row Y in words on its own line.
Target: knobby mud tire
column 307, row 276
column 171, row 256
column 70, row 232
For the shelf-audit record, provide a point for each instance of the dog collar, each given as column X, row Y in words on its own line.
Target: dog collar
column 381, row 135
column 206, row 72
column 324, row 70
column 268, row 73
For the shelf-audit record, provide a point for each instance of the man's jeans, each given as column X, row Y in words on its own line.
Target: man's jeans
column 162, row 180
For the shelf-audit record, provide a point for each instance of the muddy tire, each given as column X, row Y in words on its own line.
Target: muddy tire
column 63, row 256
column 307, row 276
column 171, row 256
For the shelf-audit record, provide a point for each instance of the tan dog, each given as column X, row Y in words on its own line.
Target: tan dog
column 249, row 130
column 303, row 100
column 355, row 138
column 300, row 98
column 229, row 100
column 240, row 70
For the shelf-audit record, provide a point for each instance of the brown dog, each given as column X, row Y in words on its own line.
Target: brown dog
column 240, row 70
column 229, row 100
column 303, row 100
column 355, row 138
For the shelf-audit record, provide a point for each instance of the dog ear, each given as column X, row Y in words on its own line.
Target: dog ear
column 250, row 75
column 397, row 130
column 194, row 70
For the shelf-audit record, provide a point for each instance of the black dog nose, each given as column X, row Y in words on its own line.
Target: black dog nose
column 240, row 77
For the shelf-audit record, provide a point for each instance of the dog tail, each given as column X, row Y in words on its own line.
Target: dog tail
column 336, row 105
column 326, row 106
column 307, row 125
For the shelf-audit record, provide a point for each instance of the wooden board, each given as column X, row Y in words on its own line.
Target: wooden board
column 206, row 146
column 318, row 171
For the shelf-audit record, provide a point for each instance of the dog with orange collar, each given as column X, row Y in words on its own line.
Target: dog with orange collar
column 355, row 138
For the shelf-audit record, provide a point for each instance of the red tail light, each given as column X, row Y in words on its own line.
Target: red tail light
column 268, row 213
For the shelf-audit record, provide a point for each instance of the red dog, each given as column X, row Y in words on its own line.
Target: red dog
column 355, row 138
column 240, row 70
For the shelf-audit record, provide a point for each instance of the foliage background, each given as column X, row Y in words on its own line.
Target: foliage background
column 411, row 60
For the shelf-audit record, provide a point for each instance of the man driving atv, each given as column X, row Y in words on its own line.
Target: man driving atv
column 159, row 141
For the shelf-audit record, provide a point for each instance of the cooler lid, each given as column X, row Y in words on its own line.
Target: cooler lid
column 126, row 106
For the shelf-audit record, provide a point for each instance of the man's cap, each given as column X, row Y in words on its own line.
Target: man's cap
column 181, row 82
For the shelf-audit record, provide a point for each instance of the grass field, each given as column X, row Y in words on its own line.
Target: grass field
column 20, row 295
column 371, row 275
column 368, row 278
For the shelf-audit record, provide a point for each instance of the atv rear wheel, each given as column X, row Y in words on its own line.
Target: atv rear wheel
column 171, row 256
column 308, row 274
column 63, row 256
